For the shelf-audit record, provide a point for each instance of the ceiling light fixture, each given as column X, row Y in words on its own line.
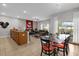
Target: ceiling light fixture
column 3, row 13
column 25, row 11
column 18, row 16
column 59, row 5
column 36, row 18
column 4, row 4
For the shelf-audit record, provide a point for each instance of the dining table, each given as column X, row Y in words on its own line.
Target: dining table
column 59, row 39
column 53, row 41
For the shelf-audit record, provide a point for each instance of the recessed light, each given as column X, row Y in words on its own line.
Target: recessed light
column 3, row 13
column 4, row 4
column 59, row 5
column 36, row 18
column 18, row 16
column 25, row 11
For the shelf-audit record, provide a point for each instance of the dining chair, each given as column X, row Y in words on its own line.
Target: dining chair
column 47, row 48
column 64, row 46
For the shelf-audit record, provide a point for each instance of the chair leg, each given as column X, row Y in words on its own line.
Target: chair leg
column 49, row 53
column 67, row 50
column 64, row 52
column 55, row 52
column 41, row 52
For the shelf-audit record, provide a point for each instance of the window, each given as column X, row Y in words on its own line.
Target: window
column 41, row 26
column 44, row 27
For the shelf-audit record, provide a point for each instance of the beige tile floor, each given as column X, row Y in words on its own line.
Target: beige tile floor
column 74, row 50
column 9, row 48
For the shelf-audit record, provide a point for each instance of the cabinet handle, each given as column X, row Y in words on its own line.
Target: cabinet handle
column 23, row 34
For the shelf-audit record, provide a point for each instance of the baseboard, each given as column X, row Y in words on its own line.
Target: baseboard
column 75, row 43
column 4, row 36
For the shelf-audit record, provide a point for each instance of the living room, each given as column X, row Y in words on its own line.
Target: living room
column 23, row 24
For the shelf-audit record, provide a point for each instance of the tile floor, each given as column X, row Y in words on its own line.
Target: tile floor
column 9, row 48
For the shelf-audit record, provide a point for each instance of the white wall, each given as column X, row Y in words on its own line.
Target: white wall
column 35, row 24
column 20, row 24
column 53, row 20
column 76, row 27
column 63, row 17
column 42, row 22
column 53, row 25
column 72, row 16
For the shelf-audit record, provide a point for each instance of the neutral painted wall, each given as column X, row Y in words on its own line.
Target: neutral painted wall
column 35, row 25
column 71, row 15
column 42, row 22
column 53, row 20
column 76, row 27
column 53, row 25
column 17, row 23
column 68, row 16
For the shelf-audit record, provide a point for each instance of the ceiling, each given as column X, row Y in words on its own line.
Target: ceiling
column 38, row 11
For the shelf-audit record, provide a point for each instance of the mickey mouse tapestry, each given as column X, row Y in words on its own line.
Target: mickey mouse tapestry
column 4, row 24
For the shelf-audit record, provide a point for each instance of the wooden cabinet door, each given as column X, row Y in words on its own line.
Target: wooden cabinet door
column 16, row 37
column 22, row 38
